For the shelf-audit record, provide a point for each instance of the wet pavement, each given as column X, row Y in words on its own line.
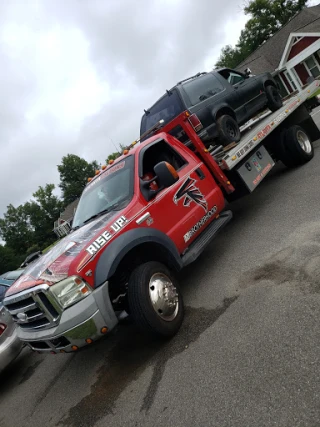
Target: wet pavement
column 248, row 351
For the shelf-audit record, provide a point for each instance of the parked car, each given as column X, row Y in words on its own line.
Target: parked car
column 219, row 102
column 31, row 258
column 10, row 277
column 10, row 344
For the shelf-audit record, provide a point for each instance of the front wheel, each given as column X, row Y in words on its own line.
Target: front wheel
column 155, row 300
column 297, row 148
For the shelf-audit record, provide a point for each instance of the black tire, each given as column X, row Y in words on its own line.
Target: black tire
column 228, row 130
column 274, row 99
column 142, row 309
column 296, row 147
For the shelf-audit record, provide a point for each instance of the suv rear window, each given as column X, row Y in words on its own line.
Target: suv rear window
column 167, row 108
column 202, row 88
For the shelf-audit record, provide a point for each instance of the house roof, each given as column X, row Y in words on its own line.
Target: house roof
column 267, row 57
column 68, row 213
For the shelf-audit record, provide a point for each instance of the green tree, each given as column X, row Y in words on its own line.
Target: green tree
column 43, row 211
column 230, row 57
column 16, row 229
column 31, row 224
column 266, row 17
column 74, row 173
column 112, row 156
column 8, row 259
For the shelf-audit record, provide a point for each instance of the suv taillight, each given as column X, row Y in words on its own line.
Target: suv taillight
column 195, row 122
column 3, row 327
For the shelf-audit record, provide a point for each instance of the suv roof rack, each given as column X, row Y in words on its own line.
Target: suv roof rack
column 192, row 77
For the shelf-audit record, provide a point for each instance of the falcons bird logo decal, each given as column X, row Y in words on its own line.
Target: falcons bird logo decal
column 191, row 194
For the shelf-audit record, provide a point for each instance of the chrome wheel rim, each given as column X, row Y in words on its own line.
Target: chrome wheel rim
column 304, row 142
column 164, row 297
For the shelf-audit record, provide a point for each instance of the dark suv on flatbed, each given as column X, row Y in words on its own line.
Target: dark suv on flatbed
column 218, row 101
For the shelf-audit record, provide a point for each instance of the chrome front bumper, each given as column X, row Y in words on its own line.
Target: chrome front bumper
column 78, row 326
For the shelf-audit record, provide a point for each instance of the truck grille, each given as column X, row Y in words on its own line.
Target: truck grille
column 33, row 309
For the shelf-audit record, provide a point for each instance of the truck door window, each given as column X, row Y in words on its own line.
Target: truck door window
column 235, row 78
column 232, row 76
column 159, row 152
column 202, row 88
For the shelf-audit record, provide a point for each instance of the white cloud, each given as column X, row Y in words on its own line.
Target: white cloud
column 76, row 75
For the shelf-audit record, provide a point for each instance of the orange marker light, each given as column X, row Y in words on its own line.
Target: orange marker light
column 174, row 173
column 103, row 167
column 104, row 330
column 97, row 172
column 89, row 341
column 75, row 348
column 110, row 162
column 89, row 179
column 126, row 152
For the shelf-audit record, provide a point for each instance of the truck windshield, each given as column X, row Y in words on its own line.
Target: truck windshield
column 112, row 190
column 167, row 108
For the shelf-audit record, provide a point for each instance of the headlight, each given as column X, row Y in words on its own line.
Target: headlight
column 70, row 290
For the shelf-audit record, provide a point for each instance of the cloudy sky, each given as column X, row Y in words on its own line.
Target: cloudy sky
column 75, row 75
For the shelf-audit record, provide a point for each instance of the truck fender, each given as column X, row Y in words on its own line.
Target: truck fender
column 222, row 109
column 114, row 253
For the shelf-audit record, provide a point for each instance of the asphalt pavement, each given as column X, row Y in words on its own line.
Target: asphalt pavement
column 248, row 353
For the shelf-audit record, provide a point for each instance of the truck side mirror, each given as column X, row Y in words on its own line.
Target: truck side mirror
column 247, row 72
column 166, row 174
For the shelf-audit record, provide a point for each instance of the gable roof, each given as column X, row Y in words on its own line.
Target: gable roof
column 291, row 40
column 267, row 57
column 68, row 213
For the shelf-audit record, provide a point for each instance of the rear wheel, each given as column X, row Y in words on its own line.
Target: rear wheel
column 155, row 300
column 274, row 98
column 228, row 130
column 296, row 147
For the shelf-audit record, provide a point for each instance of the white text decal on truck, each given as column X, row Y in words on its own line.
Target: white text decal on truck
column 200, row 224
column 106, row 235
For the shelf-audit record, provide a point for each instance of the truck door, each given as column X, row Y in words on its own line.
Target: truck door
column 183, row 210
column 249, row 92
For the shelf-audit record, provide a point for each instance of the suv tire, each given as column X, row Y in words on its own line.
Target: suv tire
column 228, row 130
column 274, row 99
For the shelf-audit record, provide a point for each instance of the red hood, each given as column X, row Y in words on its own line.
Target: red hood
column 55, row 264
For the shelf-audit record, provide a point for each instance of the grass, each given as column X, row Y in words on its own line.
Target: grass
column 315, row 94
column 49, row 247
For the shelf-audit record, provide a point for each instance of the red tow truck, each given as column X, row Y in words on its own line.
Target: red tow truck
column 140, row 220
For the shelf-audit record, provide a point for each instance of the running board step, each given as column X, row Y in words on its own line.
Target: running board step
column 198, row 246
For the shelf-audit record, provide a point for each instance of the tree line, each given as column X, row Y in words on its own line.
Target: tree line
column 29, row 227
column 266, row 18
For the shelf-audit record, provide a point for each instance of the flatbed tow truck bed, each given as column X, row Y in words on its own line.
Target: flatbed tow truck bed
column 252, row 138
